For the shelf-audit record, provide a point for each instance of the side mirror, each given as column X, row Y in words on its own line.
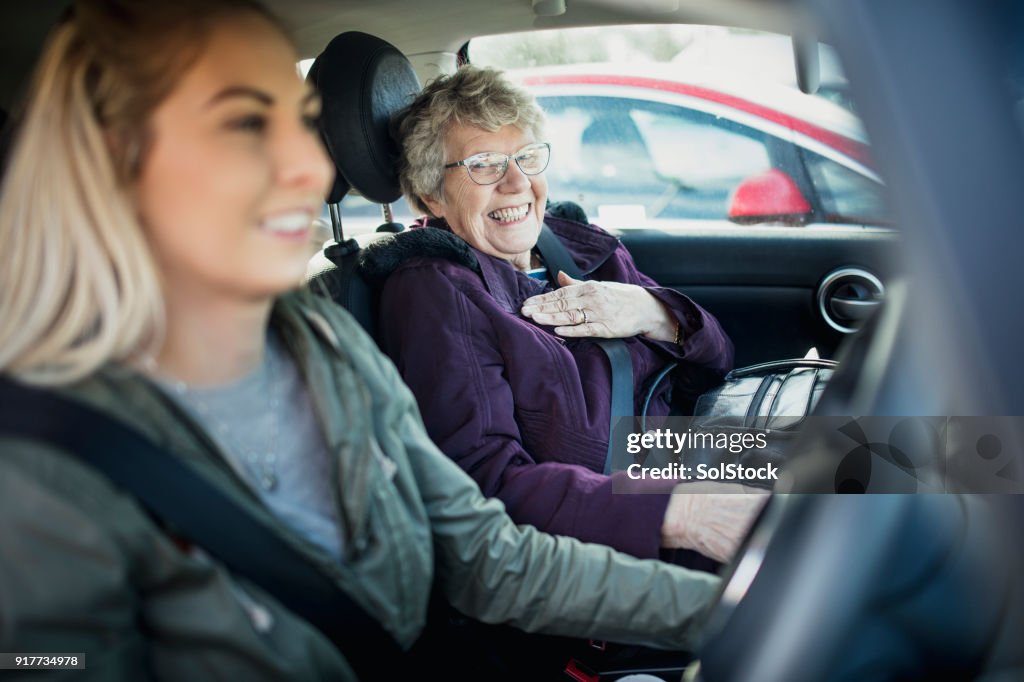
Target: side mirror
column 769, row 197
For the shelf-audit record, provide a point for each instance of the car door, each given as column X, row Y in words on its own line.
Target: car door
column 777, row 291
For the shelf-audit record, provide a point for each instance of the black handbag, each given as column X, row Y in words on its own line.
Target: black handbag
column 769, row 398
column 774, row 395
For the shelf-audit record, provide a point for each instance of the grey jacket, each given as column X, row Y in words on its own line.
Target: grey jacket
column 85, row 569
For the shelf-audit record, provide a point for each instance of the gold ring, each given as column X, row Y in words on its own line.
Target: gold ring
column 583, row 313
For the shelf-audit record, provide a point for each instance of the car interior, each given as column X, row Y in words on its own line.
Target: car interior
column 921, row 316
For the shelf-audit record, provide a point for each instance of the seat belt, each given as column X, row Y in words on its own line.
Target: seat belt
column 194, row 507
column 345, row 286
column 556, row 257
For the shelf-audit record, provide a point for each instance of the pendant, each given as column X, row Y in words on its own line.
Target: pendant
column 268, row 481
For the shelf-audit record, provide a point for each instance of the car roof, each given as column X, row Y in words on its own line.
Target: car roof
column 430, row 26
column 416, row 27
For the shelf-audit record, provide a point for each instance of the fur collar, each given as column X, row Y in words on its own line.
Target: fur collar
column 381, row 258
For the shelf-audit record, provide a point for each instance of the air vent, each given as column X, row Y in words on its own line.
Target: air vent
column 847, row 297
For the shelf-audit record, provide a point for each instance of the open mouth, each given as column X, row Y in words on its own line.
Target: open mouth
column 293, row 224
column 511, row 215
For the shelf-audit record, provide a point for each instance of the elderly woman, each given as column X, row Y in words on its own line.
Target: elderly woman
column 146, row 271
column 502, row 364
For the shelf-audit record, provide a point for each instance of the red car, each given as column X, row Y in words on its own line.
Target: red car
column 636, row 147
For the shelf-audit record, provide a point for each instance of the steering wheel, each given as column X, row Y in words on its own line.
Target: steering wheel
column 842, row 587
column 854, row 587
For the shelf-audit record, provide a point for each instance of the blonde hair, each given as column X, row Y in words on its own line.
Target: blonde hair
column 78, row 285
column 471, row 96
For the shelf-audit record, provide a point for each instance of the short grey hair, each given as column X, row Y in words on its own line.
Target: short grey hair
column 472, row 96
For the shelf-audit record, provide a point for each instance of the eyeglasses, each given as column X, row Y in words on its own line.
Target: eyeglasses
column 487, row 168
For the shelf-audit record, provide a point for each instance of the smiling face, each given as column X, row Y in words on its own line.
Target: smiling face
column 235, row 173
column 502, row 219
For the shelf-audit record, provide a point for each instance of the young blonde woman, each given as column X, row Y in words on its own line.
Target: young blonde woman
column 154, row 218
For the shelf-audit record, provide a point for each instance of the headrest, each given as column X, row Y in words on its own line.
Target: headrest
column 617, row 128
column 363, row 82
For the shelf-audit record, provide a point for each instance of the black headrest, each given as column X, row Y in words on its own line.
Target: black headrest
column 363, row 81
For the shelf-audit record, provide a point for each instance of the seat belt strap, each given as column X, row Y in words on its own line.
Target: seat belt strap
column 195, row 508
column 557, row 257
column 345, row 286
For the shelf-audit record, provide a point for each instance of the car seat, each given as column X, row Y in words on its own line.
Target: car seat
column 363, row 81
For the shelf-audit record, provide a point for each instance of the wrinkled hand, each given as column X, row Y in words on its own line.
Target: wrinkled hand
column 610, row 310
column 713, row 524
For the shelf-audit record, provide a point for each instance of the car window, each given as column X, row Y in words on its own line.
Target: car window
column 360, row 215
column 665, row 125
column 673, row 126
column 626, row 159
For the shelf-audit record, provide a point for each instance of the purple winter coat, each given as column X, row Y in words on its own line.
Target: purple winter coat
column 523, row 411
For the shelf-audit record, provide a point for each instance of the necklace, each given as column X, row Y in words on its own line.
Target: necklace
column 255, row 447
